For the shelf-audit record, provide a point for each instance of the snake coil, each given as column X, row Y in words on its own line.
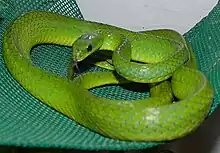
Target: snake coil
column 167, row 65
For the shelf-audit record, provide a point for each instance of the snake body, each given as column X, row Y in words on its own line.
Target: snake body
column 164, row 55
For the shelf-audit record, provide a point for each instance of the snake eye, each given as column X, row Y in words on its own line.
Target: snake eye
column 89, row 48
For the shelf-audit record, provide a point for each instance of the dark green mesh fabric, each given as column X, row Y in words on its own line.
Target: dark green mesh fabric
column 24, row 121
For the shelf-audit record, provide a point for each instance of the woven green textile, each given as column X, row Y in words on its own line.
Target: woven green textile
column 25, row 121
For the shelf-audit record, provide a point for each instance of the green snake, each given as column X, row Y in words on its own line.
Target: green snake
column 180, row 95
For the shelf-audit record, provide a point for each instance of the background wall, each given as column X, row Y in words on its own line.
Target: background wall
column 180, row 15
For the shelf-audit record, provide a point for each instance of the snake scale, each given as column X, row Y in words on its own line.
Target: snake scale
column 180, row 95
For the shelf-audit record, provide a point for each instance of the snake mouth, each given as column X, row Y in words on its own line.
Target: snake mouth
column 78, row 57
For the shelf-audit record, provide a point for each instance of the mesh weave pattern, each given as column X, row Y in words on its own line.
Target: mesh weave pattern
column 24, row 121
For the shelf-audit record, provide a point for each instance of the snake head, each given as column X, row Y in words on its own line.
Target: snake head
column 85, row 45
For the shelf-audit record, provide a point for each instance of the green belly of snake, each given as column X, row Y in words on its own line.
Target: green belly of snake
column 163, row 55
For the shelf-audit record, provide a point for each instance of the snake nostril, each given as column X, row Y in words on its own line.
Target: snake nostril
column 89, row 48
